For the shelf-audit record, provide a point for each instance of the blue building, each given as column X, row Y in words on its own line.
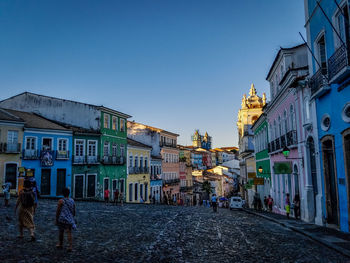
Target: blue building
column 328, row 36
column 46, row 153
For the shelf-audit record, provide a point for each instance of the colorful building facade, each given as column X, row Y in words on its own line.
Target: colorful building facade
column 11, row 138
column 327, row 28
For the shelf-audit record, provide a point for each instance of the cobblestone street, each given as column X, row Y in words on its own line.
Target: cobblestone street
column 146, row 233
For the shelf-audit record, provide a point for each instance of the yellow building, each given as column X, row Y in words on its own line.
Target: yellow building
column 11, row 138
column 139, row 178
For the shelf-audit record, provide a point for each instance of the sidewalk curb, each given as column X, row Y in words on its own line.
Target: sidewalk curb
column 327, row 244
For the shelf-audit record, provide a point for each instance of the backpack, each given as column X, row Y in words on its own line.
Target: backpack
column 27, row 199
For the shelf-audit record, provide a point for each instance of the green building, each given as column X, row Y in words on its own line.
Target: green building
column 262, row 159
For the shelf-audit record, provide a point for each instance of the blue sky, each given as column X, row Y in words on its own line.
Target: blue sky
column 177, row 65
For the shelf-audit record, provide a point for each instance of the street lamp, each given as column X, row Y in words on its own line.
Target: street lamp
column 286, row 152
column 261, row 170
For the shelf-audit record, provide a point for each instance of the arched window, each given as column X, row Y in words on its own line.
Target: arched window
column 279, row 126
column 286, row 129
column 291, row 116
column 271, row 133
column 276, row 129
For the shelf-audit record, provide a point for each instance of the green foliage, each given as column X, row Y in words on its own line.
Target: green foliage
column 206, row 187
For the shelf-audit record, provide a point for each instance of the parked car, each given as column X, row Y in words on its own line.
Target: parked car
column 236, row 202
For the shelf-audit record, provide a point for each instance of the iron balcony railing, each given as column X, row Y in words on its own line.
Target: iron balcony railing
column 278, row 144
column 113, row 160
column 283, row 141
column 30, row 154
column 138, row 170
column 338, row 61
column 62, row 155
column 85, row 159
column 291, row 138
column 167, row 144
column 171, row 181
column 317, row 81
column 10, row 147
column 186, row 188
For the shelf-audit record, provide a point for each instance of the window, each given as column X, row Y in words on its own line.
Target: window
column 79, row 147
column 47, row 144
column 106, row 149
column 285, row 118
column 62, row 145
column 342, row 25
column 121, row 185
column 279, row 126
column 136, row 192
column 122, row 125
column 281, row 72
column 321, row 46
column 106, row 121
column 12, row 141
column 92, row 148
column 141, row 191
column 146, row 192
column 146, row 162
column 130, row 161
column 122, row 150
column 291, row 116
column 114, row 149
column 130, row 192
column 136, row 161
column 325, row 122
column 30, row 143
column 114, row 123
column 346, row 112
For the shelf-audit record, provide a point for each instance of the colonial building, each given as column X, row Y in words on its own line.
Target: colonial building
column 289, row 67
column 138, row 181
column 47, row 153
column 11, row 138
column 250, row 111
column 109, row 123
column 327, row 28
column 164, row 146
column 200, row 141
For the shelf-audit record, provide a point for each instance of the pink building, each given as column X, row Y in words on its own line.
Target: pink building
column 283, row 117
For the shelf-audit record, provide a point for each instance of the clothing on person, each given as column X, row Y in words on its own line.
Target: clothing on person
column 214, row 202
column 296, row 202
column 116, row 195
column 26, row 209
column 6, row 190
column 270, row 202
column 287, row 205
column 106, row 195
column 66, row 217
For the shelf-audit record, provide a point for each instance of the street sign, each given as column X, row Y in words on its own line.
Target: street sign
column 258, row 181
column 251, row 175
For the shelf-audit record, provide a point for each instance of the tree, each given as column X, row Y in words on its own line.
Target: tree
column 206, row 187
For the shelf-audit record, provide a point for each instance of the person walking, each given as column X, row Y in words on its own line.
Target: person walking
column 36, row 194
column 116, row 196
column 270, row 202
column 121, row 197
column 106, row 195
column 25, row 205
column 265, row 203
column 6, row 189
column 287, row 205
column 296, row 202
column 65, row 219
column 214, row 203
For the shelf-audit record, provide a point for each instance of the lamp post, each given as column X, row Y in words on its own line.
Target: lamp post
column 261, row 170
column 286, row 153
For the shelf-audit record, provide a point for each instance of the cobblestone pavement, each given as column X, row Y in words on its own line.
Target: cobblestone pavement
column 147, row 233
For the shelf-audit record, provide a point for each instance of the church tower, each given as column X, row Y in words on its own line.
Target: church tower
column 197, row 139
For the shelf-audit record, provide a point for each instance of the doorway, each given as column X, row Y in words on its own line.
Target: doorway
column 79, row 186
column 61, row 181
column 45, row 181
column 346, row 143
column 91, row 185
column 330, row 180
column 312, row 168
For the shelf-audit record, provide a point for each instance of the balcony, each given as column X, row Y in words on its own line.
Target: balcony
column 338, row 65
column 171, row 181
column 318, row 82
column 138, row 170
column 10, row 147
column 113, row 160
column 167, row 144
column 291, row 138
column 83, row 160
column 283, row 141
column 62, row 155
column 30, row 154
column 277, row 144
column 186, row 188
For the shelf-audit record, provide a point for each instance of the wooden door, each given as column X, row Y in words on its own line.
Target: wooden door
column 45, row 181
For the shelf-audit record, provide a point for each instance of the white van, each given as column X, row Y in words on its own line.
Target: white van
column 236, row 202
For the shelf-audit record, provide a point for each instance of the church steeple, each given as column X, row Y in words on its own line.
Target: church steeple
column 252, row 91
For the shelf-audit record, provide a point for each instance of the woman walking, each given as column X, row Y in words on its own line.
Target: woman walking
column 65, row 219
column 287, row 205
column 25, row 205
column 296, row 202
